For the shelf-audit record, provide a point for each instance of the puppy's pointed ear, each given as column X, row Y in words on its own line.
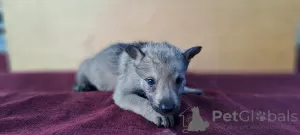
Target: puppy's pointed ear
column 135, row 53
column 192, row 52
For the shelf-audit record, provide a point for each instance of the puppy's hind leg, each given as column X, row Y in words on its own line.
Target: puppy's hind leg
column 82, row 83
column 188, row 90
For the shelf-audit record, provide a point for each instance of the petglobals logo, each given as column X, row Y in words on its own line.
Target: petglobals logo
column 250, row 116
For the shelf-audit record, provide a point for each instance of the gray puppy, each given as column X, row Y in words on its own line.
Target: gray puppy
column 147, row 77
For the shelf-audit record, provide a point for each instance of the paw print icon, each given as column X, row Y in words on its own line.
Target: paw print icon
column 261, row 116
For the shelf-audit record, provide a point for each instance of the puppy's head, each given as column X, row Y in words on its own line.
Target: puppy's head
column 161, row 68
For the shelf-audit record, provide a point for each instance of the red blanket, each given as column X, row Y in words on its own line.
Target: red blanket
column 43, row 103
column 3, row 62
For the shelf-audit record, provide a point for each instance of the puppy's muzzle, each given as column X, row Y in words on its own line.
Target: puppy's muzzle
column 166, row 107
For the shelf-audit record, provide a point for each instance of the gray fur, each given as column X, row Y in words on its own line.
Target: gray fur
column 126, row 67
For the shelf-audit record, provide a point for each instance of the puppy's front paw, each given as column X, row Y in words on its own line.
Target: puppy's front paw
column 163, row 121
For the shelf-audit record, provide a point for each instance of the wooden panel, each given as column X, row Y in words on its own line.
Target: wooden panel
column 237, row 35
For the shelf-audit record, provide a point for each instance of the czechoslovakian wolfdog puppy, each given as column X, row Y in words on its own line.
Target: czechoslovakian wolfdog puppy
column 147, row 77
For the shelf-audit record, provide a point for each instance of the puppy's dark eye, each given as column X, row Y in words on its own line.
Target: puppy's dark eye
column 179, row 80
column 150, row 81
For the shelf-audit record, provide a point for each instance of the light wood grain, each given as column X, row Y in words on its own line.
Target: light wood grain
column 236, row 35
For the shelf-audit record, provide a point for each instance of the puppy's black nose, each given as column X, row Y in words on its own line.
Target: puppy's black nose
column 167, row 108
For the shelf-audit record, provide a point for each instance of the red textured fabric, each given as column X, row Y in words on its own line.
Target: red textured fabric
column 298, row 59
column 3, row 63
column 43, row 103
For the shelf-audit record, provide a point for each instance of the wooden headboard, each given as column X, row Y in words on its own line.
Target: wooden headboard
column 236, row 35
